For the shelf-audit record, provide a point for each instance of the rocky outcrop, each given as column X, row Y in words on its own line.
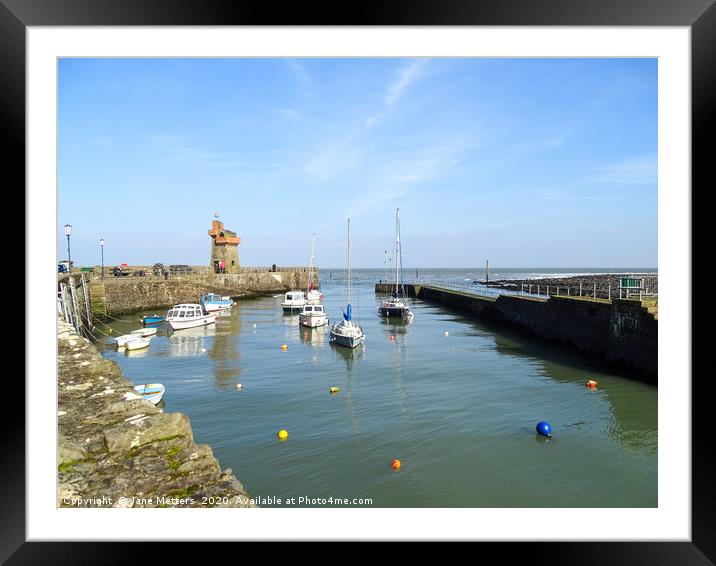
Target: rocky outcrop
column 118, row 450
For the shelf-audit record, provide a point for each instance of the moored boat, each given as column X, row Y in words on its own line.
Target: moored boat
column 138, row 343
column 188, row 315
column 313, row 315
column 122, row 340
column 346, row 332
column 144, row 332
column 396, row 306
column 152, row 319
column 293, row 301
column 214, row 302
column 152, row 392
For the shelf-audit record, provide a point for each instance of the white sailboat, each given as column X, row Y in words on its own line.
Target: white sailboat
column 346, row 332
column 312, row 294
column 395, row 306
column 313, row 314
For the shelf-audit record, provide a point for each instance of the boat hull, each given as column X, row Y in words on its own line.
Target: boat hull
column 191, row 323
column 150, row 320
column 137, row 344
column 346, row 341
column 313, row 321
column 152, row 392
column 213, row 307
column 394, row 312
column 292, row 308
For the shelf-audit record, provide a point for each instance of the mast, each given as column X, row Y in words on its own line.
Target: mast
column 349, row 261
column 310, row 266
column 397, row 247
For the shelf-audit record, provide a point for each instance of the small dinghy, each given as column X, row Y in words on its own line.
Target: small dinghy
column 152, row 392
column 122, row 340
column 144, row 332
column 153, row 319
column 137, row 343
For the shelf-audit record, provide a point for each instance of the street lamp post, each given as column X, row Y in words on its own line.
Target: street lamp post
column 101, row 245
column 68, row 232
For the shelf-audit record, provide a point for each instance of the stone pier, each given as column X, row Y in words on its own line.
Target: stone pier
column 118, row 450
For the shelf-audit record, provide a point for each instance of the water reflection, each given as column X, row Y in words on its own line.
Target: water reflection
column 633, row 426
column 315, row 337
column 224, row 349
column 191, row 341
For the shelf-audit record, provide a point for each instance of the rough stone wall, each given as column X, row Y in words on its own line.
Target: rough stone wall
column 126, row 295
column 118, row 450
column 621, row 331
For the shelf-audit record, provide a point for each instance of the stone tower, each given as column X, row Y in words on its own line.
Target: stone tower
column 224, row 249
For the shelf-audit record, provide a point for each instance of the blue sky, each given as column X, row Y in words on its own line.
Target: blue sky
column 525, row 162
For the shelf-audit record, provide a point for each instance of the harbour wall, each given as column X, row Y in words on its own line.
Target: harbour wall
column 621, row 332
column 121, row 295
column 118, row 450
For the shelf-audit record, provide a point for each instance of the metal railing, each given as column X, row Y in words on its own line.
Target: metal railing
column 540, row 291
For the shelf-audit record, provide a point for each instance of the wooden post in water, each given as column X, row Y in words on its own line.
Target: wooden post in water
column 487, row 273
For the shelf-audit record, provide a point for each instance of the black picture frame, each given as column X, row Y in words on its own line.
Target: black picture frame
column 698, row 15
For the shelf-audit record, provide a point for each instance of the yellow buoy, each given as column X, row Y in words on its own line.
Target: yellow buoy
column 284, row 346
column 334, row 389
column 282, row 434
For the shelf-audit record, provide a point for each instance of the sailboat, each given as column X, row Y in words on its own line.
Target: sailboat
column 313, row 313
column 346, row 332
column 395, row 305
column 312, row 294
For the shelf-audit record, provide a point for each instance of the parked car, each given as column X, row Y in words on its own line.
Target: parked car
column 158, row 269
column 62, row 267
column 120, row 272
column 139, row 273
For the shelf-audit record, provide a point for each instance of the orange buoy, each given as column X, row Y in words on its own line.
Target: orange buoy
column 392, row 338
column 591, row 384
column 284, row 346
column 395, row 464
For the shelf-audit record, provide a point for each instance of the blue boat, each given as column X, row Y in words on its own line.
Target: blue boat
column 213, row 302
column 153, row 319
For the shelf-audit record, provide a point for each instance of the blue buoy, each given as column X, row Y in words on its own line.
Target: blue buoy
column 544, row 428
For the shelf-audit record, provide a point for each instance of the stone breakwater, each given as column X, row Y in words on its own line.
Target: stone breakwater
column 123, row 295
column 605, row 283
column 118, row 450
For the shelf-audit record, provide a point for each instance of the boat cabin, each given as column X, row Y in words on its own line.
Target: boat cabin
column 313, row 309
column 295, row 297
column 186, row 311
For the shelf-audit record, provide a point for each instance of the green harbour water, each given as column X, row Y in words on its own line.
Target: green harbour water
column 459, row 410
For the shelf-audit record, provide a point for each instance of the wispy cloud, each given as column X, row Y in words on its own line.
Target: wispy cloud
column 635, row 171
column 404, row 78
column 298, row 71
column 345, row 154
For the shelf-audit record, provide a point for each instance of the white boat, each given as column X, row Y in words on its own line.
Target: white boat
column 396, row 306
column 138, row 342
column 214, row 302
column 313, row 315
column 346, row 332
column 293, row 301
column 313, row 295
column 152, row 392
column 121, row 341
column 188, row 316
column 145, row 332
